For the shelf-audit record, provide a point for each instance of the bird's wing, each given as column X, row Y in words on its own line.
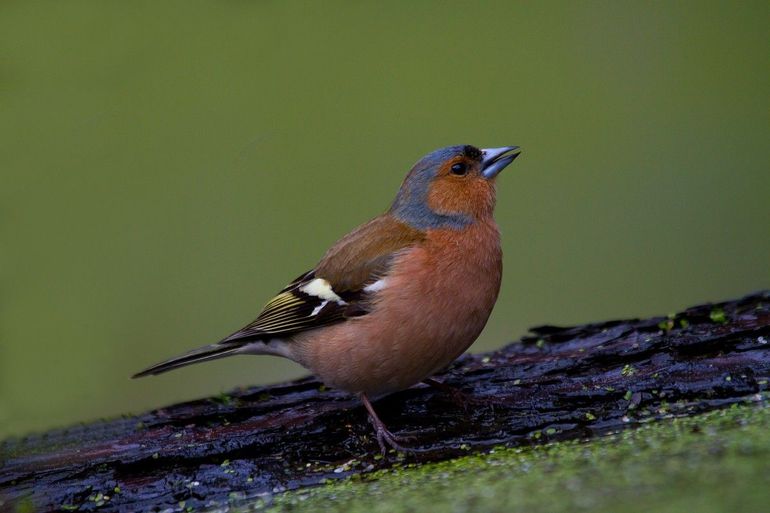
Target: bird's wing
column 340, row 287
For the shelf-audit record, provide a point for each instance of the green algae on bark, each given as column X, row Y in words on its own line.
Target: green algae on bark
column 710, row 463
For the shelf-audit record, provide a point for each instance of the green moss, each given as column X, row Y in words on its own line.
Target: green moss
column 224, row 399
column 719, row 461
column 628, row 370
column 718, row 315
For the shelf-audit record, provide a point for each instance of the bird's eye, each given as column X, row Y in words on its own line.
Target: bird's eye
column 459, row 169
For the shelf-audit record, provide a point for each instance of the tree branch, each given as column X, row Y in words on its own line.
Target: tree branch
column 559, row 383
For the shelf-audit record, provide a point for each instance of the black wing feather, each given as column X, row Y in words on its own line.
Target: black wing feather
column 294, row 310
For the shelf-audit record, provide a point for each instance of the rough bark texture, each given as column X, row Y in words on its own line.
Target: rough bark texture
column 558, row 383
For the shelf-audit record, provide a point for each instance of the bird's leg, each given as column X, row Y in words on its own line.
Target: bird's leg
column 441, row 386
column 457, row 396
column 384, row 437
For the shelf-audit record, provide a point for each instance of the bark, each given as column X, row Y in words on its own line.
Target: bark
column 555, row 384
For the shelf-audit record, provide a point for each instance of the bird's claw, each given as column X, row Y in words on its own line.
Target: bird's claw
column 384, row 437
column 387, row 439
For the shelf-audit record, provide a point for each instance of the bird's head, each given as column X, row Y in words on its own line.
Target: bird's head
column 451, row 187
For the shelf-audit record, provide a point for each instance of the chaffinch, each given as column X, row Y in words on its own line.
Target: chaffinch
column 398, row 298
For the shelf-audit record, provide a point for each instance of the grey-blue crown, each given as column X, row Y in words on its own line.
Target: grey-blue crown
column 411, row 203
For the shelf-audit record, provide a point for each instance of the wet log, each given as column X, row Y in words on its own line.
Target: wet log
column 556, row 383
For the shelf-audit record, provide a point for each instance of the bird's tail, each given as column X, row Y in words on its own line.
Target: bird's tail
column 202, row 354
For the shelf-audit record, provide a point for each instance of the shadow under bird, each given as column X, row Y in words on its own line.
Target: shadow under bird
column 397, row 299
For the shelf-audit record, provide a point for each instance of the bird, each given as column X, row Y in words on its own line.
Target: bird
column 397, row 299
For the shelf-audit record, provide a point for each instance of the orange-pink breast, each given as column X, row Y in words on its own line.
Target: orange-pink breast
column 436, row 302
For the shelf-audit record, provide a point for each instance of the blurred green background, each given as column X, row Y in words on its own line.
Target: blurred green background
column 165, row 167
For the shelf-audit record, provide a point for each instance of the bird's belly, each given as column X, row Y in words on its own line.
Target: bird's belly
column 354, row 358
column 420, row 324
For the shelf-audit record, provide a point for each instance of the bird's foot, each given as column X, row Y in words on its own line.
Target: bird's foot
column 385, row 438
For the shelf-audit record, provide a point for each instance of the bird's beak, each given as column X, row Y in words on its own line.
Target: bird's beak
column 494, row 160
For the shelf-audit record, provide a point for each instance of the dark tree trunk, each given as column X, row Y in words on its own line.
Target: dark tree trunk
column 557, row 384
